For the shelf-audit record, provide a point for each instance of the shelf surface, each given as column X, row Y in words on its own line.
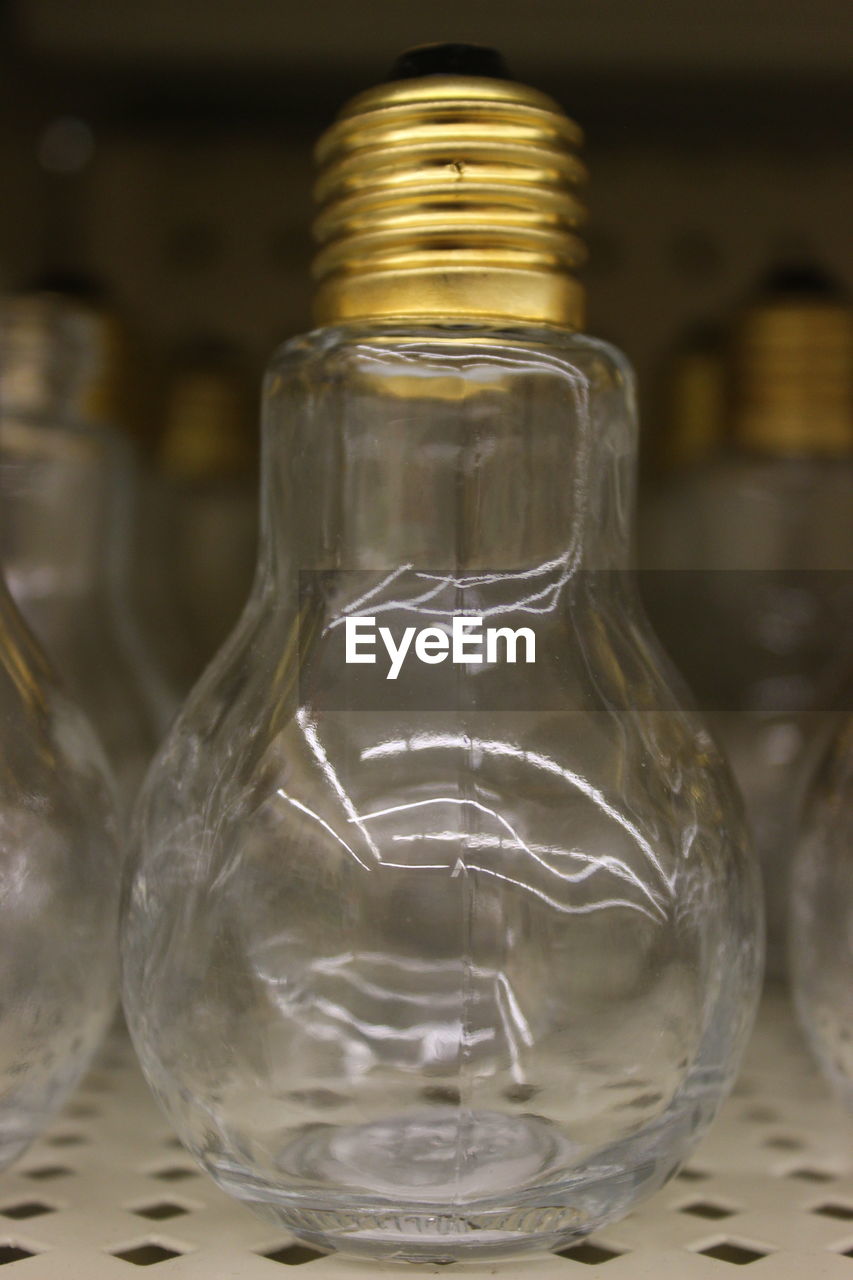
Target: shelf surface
column 109, row 1189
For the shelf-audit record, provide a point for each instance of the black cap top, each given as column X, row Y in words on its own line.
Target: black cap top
column 77, row 285
column 449, row 60
column 800, row 280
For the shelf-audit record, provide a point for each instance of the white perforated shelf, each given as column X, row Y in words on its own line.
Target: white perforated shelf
column 109, row 1189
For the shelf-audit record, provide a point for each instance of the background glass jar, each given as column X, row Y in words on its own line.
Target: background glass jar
column 60, row 872
column 66, row 520
column 753, row 544
column 822, row 914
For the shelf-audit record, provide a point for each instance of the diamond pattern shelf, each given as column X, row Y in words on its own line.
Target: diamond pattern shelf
column 109, row 1191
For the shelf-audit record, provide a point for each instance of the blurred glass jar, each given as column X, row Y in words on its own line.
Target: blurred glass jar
column 60, row 873
column 459, row 962
column 822, row 914
column 758, row 544
column 694, row 402
column 66, row 519
column 206, row 538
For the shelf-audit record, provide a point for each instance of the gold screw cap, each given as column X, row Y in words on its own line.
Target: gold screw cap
column 792, row 368
column 450, row 193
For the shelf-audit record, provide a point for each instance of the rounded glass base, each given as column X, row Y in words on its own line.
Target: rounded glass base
column 449, row 1185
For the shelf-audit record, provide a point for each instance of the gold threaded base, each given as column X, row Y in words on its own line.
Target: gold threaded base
column 793, row 377
column 450, row 197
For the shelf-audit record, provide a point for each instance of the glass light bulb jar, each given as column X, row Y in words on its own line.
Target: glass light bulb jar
column 822, row 914
column 757, row 541
column 443, row 936
column 208, row 518
column 68, row 490
column 60, row 872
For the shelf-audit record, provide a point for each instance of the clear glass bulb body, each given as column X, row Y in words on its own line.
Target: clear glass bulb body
column 65, row 517
column 458, row 963
column 760, row 546
column 60, row 872
column 821, row 914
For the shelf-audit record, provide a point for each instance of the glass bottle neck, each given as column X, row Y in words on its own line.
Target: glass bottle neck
column 57, row 521
column 448, row 448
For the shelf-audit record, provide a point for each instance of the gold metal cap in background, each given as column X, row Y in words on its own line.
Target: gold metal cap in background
column 450, row 196
column 67, row 357
column 792, row 370
column 208, row 431
column 694, row 418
